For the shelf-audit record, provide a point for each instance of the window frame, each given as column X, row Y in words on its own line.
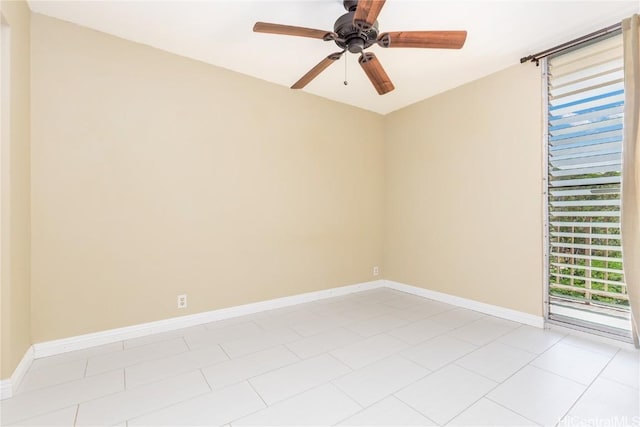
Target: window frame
column 549, row 317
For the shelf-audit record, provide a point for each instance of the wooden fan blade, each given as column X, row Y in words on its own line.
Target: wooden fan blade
column 367, row 12
column 424, row 39
column 376, row 73
column 289, row 30
column 315, row 71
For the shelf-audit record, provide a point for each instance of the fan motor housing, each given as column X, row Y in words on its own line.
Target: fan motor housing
column 350, row 37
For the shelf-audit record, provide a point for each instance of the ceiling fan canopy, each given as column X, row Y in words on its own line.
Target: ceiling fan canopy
column 356, row 31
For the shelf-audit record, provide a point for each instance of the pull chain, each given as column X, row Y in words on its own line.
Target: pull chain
column 345, row 70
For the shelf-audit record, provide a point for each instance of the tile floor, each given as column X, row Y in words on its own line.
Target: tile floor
column 378, row 357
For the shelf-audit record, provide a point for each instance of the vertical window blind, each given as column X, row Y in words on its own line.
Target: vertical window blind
column 585, row 114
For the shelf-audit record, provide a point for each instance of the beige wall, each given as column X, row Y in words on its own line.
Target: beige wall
column 15, row 268
column 155, row 175
column 463, row 192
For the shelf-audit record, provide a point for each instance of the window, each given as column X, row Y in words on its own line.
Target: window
column 584, row 144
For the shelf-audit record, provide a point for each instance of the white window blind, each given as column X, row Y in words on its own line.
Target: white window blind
column 585, row 113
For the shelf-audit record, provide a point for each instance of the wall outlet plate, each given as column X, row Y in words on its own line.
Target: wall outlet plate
column 182, row 301
column 376, row 270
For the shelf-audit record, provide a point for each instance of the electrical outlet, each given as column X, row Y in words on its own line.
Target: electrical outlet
column 182, row 301
column 376, row 270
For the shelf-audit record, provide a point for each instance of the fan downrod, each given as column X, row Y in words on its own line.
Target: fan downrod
column 350, row 5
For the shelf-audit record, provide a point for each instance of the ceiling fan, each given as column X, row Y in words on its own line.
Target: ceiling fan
column 356, row 31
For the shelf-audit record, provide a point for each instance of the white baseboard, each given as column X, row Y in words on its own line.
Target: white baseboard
column 493, row 310
column 10, row 385
column 49, row 348
column 6, row 390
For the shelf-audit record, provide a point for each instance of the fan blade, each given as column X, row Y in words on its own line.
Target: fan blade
column 376, row 73
column 366, row 14
column 289, row 30
column 315, row 71
column 425, row 39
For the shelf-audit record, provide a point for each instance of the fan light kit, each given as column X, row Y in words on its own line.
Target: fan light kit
column 356, row 31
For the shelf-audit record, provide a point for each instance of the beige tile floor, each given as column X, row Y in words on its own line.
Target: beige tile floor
column 378, row 357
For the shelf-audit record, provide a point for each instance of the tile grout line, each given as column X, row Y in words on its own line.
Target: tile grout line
column 78, row 403
column 491, row 341
column 225, row 353
column 448, row 364
column 571, row 379
column 523, row 349
column 328, row 353
column 510, row 410
column 186, row 343
column 476, row 373
column 176, row 355
column 587, row 388
column 433, row 371
column 190, row 398
column 254, row 376
column 262, row 373
column 173, row 375
column 67, row 381
column 152, row 359
column 162, row 408
column 230, row 385
column 249, row 414
column 512, row 375
column 171, row 335
column 76, row 359
column 22, row 420
column 399, row 354
column 158, row 342
column 257, row 410
column 253, row 352
column 615, row 380
column 299, row 392
column 205, row 379
column 537, row 355
column 396, row 354
column 157, row 380
column 75, row 418
column 412, row 407
column 592, row 340
column 258, row 394
column 362, row 407
column 318, row 334
column 284, row 400
column 422, row 341
column 498, row 383
column 392, row 394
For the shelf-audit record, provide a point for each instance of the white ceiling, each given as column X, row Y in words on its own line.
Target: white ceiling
column 220, row 32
